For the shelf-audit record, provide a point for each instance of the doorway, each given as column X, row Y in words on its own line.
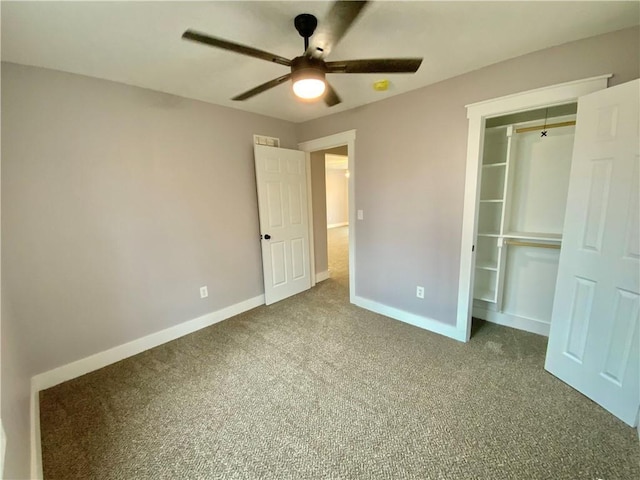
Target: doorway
column 330, row 206
column 524, row 180
column 478, row 114
column 591, row 334
column 336, row 173
column 335, row 246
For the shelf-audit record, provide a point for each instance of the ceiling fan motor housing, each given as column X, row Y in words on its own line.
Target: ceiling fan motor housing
column 307, row 67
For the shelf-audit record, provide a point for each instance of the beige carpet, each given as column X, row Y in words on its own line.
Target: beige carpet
column 313, row 387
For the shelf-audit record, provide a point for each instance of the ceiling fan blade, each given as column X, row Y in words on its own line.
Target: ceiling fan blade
column 375, row 65
column 331, row 98
column 261, row 88
column 334, row 26
column 235, row 47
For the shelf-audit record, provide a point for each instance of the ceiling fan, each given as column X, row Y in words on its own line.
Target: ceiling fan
column 308, row 71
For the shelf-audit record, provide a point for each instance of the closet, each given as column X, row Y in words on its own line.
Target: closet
column 524, row 182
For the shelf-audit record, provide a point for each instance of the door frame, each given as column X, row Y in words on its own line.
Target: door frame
column 339, row 139
column 478, row 113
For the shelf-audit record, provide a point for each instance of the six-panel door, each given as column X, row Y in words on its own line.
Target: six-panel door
column 594, row 337
column 284, row 224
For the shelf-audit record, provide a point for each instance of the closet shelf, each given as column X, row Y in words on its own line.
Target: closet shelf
column 487, row 266
column 486, row 296
column 550, row 237
column 490, row 165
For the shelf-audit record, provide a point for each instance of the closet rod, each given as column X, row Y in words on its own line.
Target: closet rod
column 541, row 127
column 516, row 243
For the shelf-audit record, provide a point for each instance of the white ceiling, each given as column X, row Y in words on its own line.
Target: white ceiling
column 139, row 43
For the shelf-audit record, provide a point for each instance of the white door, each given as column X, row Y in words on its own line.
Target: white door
column 284, row 221
column 593, row 342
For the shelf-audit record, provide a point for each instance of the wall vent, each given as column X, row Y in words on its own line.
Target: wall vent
column 263, row 140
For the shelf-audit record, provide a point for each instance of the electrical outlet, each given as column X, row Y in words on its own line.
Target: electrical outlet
column 360, row 214
column 204, row 293
column 420, row 292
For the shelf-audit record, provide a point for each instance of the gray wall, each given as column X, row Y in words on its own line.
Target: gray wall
column 15, row 390
column 118, row 204
column 337, row 196
column 410, row 167
column 16, row 387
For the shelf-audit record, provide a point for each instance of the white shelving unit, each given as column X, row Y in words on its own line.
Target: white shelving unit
column 491, row 213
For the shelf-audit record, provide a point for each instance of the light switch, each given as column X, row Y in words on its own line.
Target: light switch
column 360, row 215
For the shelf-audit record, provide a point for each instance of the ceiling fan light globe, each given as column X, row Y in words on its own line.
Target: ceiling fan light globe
column 309, row 88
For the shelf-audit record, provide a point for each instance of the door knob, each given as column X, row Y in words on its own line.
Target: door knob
column 267, row 237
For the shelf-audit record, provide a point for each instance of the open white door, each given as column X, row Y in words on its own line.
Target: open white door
column 284, row 221
column 594, row 336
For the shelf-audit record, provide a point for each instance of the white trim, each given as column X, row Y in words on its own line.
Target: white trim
column 538, row 97
column 312, row 244
column 336, row 225
column 3, row 447
column 36, row 446
column 410, row 318
column 514, row 321
column 320, row 276
column 330, row 141
column 91, row 363
column 344, row 138
column 477, row 113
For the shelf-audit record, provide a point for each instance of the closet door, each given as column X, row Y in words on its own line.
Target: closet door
column 595, row 326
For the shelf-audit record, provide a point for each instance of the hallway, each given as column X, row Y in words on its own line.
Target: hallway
column 338, row 251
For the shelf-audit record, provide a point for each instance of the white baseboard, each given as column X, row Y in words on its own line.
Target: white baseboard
column 80, row 367
column 514, row 321
column 320, row 276
column 107, row 357
column 335, row 225
column 422, row 322
column 36, row 447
